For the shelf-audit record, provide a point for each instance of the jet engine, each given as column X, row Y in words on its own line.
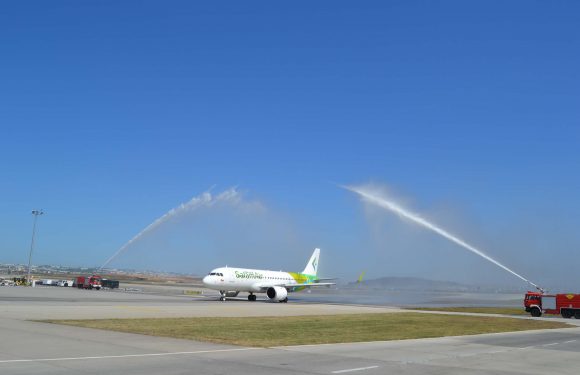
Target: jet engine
column 277, row 293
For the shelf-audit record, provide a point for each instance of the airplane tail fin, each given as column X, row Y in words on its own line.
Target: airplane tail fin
column 312, row 265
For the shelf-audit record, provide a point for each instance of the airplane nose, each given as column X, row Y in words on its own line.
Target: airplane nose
column 205, row 280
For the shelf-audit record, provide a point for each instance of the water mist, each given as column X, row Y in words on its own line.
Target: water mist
column 386, row 203
column 231, row 197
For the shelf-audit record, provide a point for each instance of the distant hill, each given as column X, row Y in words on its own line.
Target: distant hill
column 419, row 284
column 413, row 283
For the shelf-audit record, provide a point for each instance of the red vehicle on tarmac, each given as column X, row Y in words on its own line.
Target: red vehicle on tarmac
column 88, row 282
column 567, row 305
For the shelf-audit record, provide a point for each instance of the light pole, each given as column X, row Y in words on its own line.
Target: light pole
column 36, row 213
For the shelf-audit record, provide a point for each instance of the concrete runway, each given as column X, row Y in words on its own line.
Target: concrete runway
column 69, row 303
column 36, row 348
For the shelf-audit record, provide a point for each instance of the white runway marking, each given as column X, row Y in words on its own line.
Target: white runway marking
column 569, row 342
column 124, row 356
column 354, row 369
column 552, row 344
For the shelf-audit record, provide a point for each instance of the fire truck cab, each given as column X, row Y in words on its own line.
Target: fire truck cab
column 533, row 303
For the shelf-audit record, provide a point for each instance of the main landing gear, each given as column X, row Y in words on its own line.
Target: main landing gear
column 251, row 297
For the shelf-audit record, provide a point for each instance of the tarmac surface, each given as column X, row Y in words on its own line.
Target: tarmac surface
column 28, row 347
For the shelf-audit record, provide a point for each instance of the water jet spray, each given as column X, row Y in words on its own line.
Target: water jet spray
column 390, row 205
column 206, row 199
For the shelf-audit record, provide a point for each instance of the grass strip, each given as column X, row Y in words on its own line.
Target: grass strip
column 478, row 310
column 299, row 330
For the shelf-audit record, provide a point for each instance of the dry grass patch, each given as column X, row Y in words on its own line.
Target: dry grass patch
column 298, row 330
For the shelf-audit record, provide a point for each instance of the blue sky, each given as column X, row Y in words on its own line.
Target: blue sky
column 114, row 112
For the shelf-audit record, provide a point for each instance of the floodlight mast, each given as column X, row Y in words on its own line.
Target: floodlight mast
column 36, row 214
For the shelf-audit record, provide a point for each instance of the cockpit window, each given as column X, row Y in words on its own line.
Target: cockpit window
column 212, row 274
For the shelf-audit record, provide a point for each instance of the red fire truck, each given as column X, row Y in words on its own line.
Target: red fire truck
column 568, row 305
column 88, row 282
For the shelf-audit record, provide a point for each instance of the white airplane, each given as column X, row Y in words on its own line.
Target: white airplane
column 230, row 281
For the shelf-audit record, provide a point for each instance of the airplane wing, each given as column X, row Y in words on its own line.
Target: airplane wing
column 264, row 286
column 308, row 285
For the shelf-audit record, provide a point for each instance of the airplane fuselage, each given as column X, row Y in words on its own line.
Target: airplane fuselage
column 276, row 284
column 252, row 280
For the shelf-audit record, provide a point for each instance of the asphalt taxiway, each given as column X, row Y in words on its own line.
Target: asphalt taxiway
column 28, row 347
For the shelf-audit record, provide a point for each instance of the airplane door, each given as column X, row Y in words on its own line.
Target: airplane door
column 230, row 279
